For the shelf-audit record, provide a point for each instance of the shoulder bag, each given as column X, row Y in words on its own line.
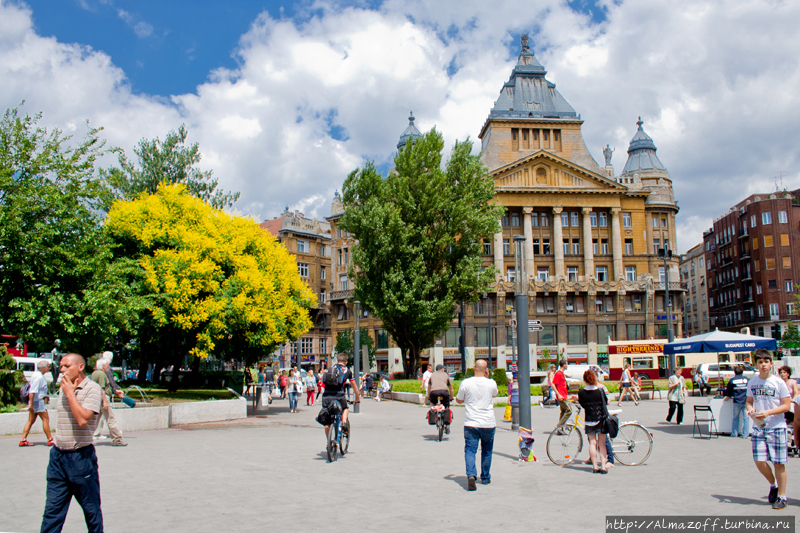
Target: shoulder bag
column 610, row 422
column 682, row 385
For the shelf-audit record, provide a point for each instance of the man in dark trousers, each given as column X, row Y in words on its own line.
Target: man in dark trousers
column 73, row 463
column 737, row 391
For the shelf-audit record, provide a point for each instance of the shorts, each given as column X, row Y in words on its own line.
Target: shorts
column 770, row 445
column 39, row 406
column 341, row 399
column 591, row 430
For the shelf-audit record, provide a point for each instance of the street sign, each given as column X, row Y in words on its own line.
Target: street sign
column 512, row 322
column 535, row 328
column 534, row 323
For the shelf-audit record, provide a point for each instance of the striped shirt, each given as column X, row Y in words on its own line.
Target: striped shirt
column 69, row 435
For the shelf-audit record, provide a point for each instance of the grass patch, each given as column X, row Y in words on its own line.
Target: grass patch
column 10, row 409
column 185, row 395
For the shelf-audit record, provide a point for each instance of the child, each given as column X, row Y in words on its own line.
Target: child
column 767, row 400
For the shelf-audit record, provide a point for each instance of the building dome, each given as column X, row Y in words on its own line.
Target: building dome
column 410, row 133
column 642, row 153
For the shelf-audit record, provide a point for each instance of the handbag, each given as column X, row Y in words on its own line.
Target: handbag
column 276, row 393
column 682, row 399
column 610, row 422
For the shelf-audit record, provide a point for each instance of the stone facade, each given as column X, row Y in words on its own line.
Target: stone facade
column 695, row 282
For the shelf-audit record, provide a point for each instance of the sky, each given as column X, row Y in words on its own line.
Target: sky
column 286, row 99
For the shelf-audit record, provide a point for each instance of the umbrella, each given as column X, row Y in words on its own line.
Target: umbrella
column 720, row 341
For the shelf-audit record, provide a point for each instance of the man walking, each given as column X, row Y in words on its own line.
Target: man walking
column 37, row 404
column 72, row 470
column 477, row 393
column 560, row 386
column 426, row 376
column 100, row 376
column 767, row 399
column 737, row 391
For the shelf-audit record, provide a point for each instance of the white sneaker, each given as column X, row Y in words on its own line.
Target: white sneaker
column 101, row 437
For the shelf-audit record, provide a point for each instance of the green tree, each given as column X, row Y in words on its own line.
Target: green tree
column 790, row 340
column 9, row 376
column 420, row 232
column 167, row 162
column 345, row 343
column 57, row 281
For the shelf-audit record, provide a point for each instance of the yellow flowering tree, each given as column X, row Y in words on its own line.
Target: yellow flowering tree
column 210, row 279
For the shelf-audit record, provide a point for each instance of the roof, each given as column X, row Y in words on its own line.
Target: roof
column 273, row 226
column 410, row 133
column 528, row 94
column 642, row 153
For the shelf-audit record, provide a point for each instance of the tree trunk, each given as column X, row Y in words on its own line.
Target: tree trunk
column 410, row 362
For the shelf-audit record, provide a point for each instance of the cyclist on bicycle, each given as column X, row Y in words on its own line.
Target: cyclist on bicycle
column 335, row 379
column 440, row 389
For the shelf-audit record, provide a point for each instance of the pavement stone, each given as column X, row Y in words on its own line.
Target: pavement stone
column 270, row 471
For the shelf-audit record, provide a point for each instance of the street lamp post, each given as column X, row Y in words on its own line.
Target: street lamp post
column 666, row 253
column 462, row 346
column 356, row 351
column 514, row 379
column 523, row 351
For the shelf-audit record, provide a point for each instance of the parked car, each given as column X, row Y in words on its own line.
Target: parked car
column 28, row 367
column 725, row 370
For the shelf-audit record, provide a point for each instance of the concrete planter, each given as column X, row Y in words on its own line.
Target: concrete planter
column 210, row 411
column 142, row 418
column 12, row 423
column 410, row 397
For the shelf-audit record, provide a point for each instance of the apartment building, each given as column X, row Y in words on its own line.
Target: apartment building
column 693, row 281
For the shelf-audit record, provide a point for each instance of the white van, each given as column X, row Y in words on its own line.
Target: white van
column 576, row 372
column 725, row 370
column 28, row 367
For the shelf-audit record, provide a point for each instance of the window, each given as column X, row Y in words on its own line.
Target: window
column 628, row 246
column 787, row 261
column 534, row 219
column 784, row 239
column 603, row 217
column 575, row 220
column 753, row 223
column 505, row 220
column 789, row 286
column 572, row 273
column 594, row 246
column 604, row 334
column 789, row 309
column 340, row 257
column 626, row 220
column 339, row 232
column 760, row 310
column 576, row 334
column 663, row 222
column 323, row 250
column 766, row 218
column 302, row 247
column 536, row 247
column 602, row 273
column 544, row 219
column 346, row 256
column 547, row 336
column 566, row 246
column 758, row 288
column 383, row 339
column 306, row 345
column 772, row 284
column 564, row 219
column 604, row 246
column 593, row 219
column 506, row 246
column 655, row 221
column 657, row 246
column 545, row 246
column 543, row 273
column 630, row 273
column 635, row 331
column 774, row 310
column 576, row 246
column 515, row 219
column 322, row 296
column 755, row 243
column 322, row 273
column 303, row 268
column 323, row 348
column 342, row 283
column 758, row 265
column 510, row 275
column 782, row 219
column 662, row 276
column 767, row 241
column 770, row 263
column 487, row 248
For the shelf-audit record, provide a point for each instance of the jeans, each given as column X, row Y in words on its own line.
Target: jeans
column 72, row 473
column 609, row 450
column 672, row 406
column 293, row 397
column 471, row 438
column 740, row 420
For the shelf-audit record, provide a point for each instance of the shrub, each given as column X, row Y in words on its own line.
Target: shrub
column 9, row 375
column 397, row 375
column 458, row 377
column 500, row 377
column 470, row 372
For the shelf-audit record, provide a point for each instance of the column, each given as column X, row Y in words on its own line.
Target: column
column 528, row 230
column 558, row 242
column 616, row 244
column 588, row 251
column 648, row 230
column 498, row 254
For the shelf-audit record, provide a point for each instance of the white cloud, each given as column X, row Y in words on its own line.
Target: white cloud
column 715, row 83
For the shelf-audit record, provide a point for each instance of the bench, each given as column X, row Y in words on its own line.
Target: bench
column 545, row 391
column 649, row 386
column 714, row 383
column 573, row 388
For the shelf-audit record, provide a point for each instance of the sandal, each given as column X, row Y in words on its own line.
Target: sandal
column 635, row 403
column 25, row 443
column 51, row 442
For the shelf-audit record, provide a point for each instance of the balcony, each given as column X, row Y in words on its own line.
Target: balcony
column 340, row 295
column 745, row 255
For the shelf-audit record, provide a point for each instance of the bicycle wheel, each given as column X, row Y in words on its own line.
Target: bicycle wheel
column 344, row 440
column 331, row 448
column 632, row 445
column 440, row 426
column 563, row 449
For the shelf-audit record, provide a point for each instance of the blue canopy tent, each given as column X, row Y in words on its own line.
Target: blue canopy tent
column 720, row 341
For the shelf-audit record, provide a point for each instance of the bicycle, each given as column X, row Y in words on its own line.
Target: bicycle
column 440, row 425
column 338, row 437
column 631, row 447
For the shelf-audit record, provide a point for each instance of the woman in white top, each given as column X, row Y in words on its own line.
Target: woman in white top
column 311, row 387
column 295, row 386
column 625, row 386
column 548, row 385
column 785, row 373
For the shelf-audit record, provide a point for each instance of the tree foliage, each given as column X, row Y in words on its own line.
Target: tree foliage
column 420, row 232
column 345, row 343
column 790, row 340
column 167, row 162
column 55, row 276
column 210, row 279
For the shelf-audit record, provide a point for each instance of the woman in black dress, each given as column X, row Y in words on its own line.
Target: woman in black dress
column 593, row 401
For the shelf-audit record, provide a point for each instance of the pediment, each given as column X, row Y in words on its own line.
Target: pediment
column 544, row 170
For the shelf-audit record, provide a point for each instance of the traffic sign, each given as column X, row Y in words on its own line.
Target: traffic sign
column 534, row 322
column 535, row 328
column 512, row 322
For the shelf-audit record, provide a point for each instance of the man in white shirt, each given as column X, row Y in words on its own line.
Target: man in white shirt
column 37, row 404
column 767, row 400
column 426, row 377
column 478, row 393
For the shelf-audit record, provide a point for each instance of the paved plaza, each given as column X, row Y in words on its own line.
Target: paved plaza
column 269, row 472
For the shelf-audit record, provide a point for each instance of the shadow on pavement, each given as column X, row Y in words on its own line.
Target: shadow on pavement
column 460, row 480
column 750, row 501
column 672, row 428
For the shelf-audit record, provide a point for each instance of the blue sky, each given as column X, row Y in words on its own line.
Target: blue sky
column 286, row 99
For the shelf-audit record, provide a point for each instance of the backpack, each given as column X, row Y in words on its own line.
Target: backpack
column 24, row 393
column 334, row 377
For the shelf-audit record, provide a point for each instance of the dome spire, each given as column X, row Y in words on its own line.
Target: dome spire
column 642, row 152
column 411, row 132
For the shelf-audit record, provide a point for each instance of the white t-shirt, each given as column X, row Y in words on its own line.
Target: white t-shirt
column 477, row 393
column 425, row 378
column 767, row 394
column 38, row 385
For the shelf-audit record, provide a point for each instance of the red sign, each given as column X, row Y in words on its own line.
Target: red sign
column 635, row 348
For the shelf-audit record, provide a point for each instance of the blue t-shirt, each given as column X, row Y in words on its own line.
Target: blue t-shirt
column 737, row 389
